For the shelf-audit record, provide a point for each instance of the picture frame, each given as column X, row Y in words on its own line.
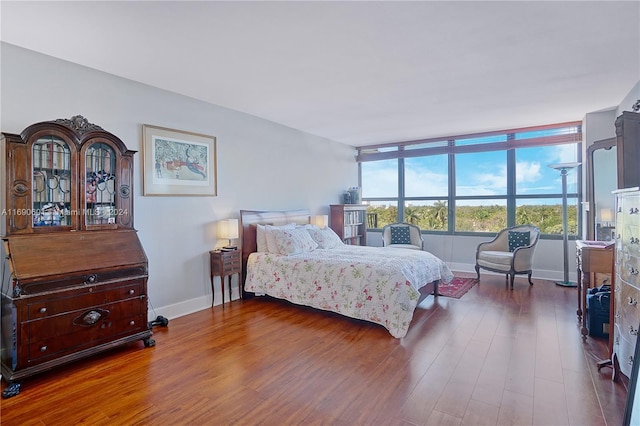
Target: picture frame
column 178, row 163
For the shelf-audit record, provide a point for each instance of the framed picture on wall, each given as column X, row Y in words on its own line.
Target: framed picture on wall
column 176, row 162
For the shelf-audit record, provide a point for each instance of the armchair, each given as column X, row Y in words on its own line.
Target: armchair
column 402, row 235
column 510, row 252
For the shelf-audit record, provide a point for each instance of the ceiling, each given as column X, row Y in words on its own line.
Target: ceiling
column 357, row 72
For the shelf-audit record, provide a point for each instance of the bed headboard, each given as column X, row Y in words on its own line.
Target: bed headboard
column 250, row 218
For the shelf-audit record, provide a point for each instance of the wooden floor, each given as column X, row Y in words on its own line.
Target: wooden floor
column 493, row 357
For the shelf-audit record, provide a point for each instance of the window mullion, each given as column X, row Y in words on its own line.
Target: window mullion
column 401, row 191
column 511, row 183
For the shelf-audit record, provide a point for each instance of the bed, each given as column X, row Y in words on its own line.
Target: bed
column 374, row 284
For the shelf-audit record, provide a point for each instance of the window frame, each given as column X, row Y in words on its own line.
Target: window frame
column 569, row 133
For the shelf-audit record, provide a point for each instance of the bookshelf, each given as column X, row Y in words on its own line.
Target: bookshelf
column 349, row 222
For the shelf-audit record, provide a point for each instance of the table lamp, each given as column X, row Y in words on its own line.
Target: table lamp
column 228, row 230
column 321, row 221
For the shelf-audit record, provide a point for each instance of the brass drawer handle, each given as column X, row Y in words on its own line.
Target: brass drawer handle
column 91, row 279
column 132, row 291
column 43, row 348
column 634, row 240
column 633, row 210
column 633, row 271
column 134, row 323
column 632, row 301
column 90, row 318
column 632, row 331
column 43, row 310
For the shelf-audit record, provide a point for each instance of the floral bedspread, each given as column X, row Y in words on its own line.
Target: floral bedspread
column 369, row 283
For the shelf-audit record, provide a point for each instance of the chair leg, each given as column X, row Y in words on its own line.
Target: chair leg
column 512, row 277
column 530, row 282
column 477, row 272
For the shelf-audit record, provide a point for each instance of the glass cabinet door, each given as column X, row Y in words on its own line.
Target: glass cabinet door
column 51, row 195
column 100, row 185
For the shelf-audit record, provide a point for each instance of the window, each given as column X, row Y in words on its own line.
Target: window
column 379, row 183
column 475, row 183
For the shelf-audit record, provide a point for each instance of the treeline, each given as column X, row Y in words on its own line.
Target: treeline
column 548, row 218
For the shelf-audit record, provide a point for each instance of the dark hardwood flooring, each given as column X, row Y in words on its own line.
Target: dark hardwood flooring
column 493, row 357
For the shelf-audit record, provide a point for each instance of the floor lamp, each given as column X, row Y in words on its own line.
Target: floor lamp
column 564, row 169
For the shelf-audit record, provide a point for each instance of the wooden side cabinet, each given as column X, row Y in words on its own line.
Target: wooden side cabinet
column 593, row 257
column 224, row 264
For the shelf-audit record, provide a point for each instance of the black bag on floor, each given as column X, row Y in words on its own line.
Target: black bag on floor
column 598, row 307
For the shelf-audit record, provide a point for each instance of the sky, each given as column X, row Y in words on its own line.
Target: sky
column 482, row 174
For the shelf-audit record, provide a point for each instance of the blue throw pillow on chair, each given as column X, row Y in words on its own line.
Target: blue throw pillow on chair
column 518, row 239
column 400, row 235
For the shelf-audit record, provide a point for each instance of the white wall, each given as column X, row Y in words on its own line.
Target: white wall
column 261, row 164
column 629, row 100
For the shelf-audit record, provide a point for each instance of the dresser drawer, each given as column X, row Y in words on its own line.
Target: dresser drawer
column 230, row 258
column 83, row 297
column 624, row 350
column 627, row 299
column 628, row 269
column 226, row 263
column 57, row 335
column 46, row 284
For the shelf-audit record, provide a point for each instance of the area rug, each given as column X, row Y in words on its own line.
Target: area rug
column 457, row 287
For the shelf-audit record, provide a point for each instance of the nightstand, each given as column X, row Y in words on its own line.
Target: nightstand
column 223, row 264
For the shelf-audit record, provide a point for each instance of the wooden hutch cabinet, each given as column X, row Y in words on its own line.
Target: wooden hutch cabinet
column 628, row 149
column 74, row 279
column 349, row 222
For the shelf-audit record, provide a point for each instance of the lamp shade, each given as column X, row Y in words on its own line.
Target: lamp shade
column 321, row 221
column 606, row 215
column 228, row 229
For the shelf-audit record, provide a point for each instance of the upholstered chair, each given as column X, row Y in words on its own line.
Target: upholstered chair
column 510, row 252
column 402, row 235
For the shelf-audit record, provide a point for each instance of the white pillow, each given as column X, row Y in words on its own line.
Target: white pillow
column 306, row 226
column 261, row 239
column 325, row 237
column 289, row 241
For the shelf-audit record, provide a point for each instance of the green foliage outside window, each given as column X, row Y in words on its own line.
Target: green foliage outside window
column 489, row 218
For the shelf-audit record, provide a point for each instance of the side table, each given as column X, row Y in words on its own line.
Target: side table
column 223, row 264
column 592, row 257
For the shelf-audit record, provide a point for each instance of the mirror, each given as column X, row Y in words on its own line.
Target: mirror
column 602, row 177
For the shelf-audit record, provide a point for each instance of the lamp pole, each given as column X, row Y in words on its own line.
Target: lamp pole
column 564, row 169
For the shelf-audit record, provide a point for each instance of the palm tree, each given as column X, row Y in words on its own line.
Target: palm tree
column 412, row 215
column 440, row 214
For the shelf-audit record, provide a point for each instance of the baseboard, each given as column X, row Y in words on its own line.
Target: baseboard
column 186, row 307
